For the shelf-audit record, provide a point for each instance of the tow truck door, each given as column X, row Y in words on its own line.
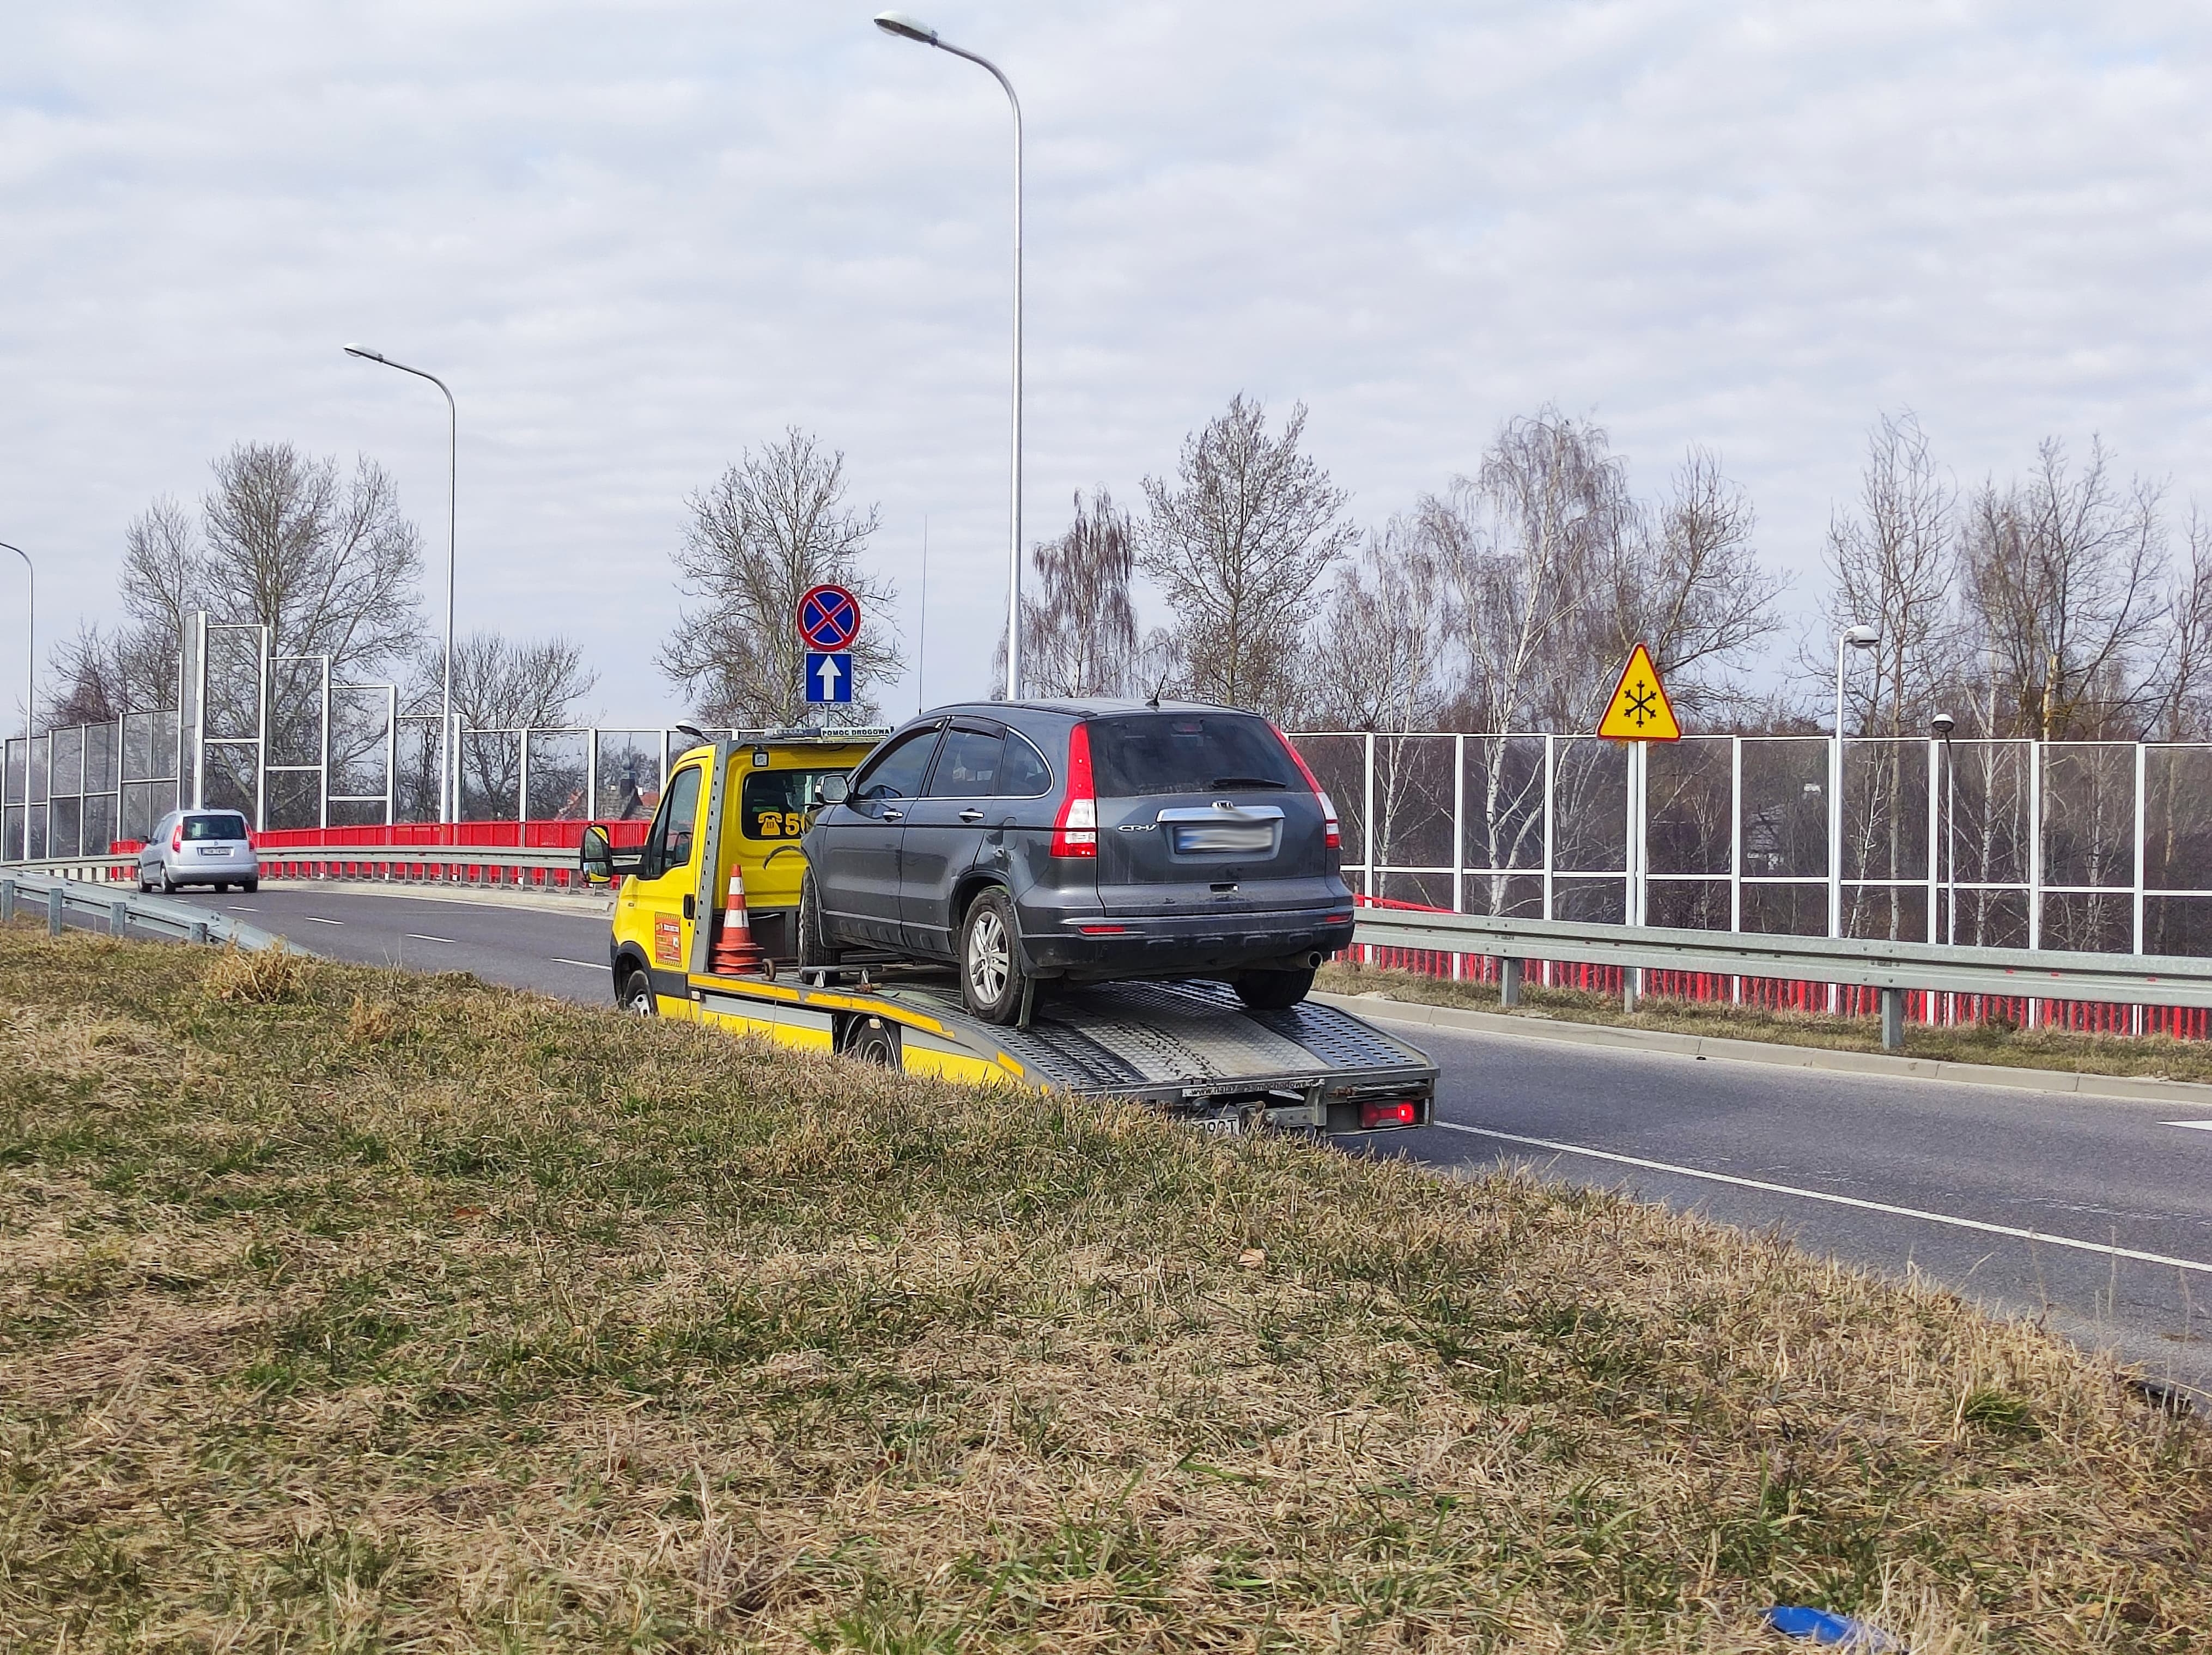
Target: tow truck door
column 665, row 891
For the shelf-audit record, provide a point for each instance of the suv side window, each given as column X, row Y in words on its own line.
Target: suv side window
column 669, row 846
column 897, row 774
column 967, row 765
column 1023, row 773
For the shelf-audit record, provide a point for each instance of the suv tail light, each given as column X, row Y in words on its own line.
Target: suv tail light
column 1075, row 830
column 1335, row 834
column 177, row 837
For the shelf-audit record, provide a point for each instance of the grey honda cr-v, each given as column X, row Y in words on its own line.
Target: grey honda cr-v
column 1081, row 842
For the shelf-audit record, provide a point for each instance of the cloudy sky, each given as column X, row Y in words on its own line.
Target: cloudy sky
column 638, row 238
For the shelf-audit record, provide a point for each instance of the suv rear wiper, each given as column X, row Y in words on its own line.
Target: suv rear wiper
column 1248, row 781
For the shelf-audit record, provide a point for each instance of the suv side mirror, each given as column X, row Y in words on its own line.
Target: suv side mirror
column 832, row 790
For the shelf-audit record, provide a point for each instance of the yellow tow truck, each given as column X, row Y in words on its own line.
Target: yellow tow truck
column 1192, row 1048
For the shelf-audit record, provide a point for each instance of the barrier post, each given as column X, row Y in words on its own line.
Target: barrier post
column 1509, row 982
column 118, row 919
column 6, row 901
column 1892, row 1020
column 54, row 911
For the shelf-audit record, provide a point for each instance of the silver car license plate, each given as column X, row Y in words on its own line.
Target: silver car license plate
column 1224, row 836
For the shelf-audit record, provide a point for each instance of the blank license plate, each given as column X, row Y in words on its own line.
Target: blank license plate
column 1224, row 836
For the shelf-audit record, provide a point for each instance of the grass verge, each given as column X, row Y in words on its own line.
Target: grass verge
column 2158, row 1057
column 369, row 1312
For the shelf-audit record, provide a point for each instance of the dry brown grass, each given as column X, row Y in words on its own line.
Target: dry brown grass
column 2156, row 1056
column 258, row 976
column 409, row 1314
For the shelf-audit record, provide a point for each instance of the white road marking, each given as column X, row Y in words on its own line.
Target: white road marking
column 2105, row 1248
column 589, row 964
column 317, row 919
column 417, row 936
column 2201, row 1125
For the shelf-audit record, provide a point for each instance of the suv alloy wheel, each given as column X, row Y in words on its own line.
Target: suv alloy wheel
column 991, row 980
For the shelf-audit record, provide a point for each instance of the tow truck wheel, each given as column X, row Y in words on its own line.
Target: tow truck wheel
column 871, row 1041
column 1273, row 991
column 637, row 995
column 991, row 980
column 814, row 949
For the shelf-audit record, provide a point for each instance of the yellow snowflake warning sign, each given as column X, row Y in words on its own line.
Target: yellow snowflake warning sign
column 1639, row 711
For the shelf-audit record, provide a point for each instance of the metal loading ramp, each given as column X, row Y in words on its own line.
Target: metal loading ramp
column 1194, row 1042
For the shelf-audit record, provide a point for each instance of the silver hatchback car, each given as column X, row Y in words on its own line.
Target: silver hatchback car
column 199, row 847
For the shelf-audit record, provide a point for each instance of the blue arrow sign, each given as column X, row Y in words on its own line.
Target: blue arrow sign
column 828, row 676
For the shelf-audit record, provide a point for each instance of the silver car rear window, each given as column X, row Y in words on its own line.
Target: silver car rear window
column 221, row 825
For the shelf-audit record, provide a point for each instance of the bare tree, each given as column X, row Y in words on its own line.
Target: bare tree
column 1239, row 543
column 503, row 685
column 771, row 526
column 1890, row 567
column 1383, row 651
column 2062, row 579
column 1079, row 630
column 2182, row 680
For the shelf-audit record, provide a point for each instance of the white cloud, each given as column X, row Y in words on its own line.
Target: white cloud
column 636, row 238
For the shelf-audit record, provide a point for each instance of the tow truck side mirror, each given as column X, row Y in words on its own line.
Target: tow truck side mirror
column 831, row 789
column 595, row 857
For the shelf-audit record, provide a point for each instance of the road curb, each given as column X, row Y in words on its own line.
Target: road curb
column 2132, row 1088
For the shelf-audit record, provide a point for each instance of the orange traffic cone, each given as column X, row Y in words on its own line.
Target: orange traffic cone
column 736, row 955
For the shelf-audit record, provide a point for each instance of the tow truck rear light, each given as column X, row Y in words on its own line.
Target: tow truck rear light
column 1334, row 834
column 1399, row 1113
column 1075, row 832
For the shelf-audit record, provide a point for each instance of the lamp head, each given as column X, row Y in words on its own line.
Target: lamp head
column 905, row 27
column 1862, row 637
column 1943, row 724
column 364, row 353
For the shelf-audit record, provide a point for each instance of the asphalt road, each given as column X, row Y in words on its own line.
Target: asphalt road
column 1894, row 1175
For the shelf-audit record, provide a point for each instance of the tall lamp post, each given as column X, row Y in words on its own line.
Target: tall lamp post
column 1853, row 638
column 30, row 684
column 908, row 28
column 448, row 769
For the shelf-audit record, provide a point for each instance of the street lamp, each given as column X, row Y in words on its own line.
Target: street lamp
column 449, row 771
column 908, row 29
column 1853, row 638
column 30, row 687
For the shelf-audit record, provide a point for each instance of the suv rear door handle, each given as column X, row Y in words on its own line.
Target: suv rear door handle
column 971, row 814
column 894, row 816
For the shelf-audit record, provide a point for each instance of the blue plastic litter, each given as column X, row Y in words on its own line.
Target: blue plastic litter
column 1823, row 1627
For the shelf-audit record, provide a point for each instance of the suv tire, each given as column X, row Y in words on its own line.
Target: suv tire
column 991, row 980
column 1273, row 991
column 814, row 949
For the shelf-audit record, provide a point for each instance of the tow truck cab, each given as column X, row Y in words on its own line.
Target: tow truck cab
column 751, row 823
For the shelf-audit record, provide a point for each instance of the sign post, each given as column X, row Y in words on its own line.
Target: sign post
column 828, row 621
column 1638, row 713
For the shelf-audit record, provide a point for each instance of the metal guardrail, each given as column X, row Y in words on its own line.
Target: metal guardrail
column 1892, row 968
column 124, row 912
column 426, row 864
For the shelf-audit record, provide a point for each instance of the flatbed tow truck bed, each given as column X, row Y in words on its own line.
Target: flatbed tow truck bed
column 1191, row 1048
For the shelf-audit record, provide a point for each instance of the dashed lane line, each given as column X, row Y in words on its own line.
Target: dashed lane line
column 2201, row 1125
column 417, row 936
column 589, row 964
column 317, row 919
column 1955, row 1222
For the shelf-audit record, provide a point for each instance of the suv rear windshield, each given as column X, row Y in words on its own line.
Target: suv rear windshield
column 221, row 826
column 1187, row 753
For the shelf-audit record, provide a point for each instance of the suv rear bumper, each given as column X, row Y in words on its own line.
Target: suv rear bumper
column 1084, row 947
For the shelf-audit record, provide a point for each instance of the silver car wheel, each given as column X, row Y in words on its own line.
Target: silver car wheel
column 990, row 960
